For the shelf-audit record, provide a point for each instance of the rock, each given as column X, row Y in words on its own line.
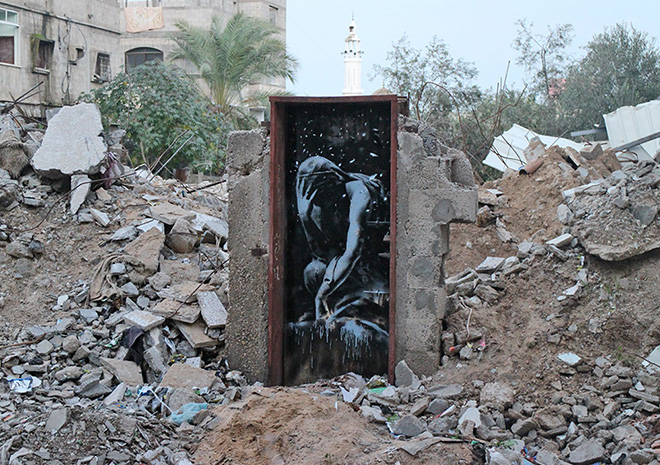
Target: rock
column 72, row 143
column 490, row 265
column 523, row 426
column 448, row 391
column 8, row 194
column 80, row 185
column 100, row 217
column 182, row 238
column 177, row 311
column 155, row 360
column 591, row 152
column 590, row 451
column 437, row 406
column 12, row 154
column 564, row 214
column 88, row 314
column 645, row 214
column 373, row 414
column 70, row 344
column 499, row 395
column 471, row 414
column 217, row 226
column 420, row 406
column 180, row 397
column 17, row 249
column 93, row 389
column 487, row 293
column 569, row 358
column 627, row 435
column 213, row 312
column 195, row 335
column 143, row 319
column 126, row 233
column 169, row 213
column 125, row 371
column 404, row 376
column 56, row 420
column 146, row 249
column 442, row 426
column 117, row 269
column 160, row 281
column 45, row 347
column 408, row 426
column 116, row 395
column 185, row 291
column 69, row 373
column 181, row 375
column 561, row 241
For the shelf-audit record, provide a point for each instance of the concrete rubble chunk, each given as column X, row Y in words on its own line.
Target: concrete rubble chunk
column 569, row 358
column 490, row 265
column 100, row 217
column 143, row 319
column 183, row 376
column 80, row 185
column 404, row 376
column 146, row 249
column 125, row 371
column 499, row 395
column 116, row 395
column 590, row 451
column 168, row 213
column 213, row 312
column 448, row 391
column 177, row 311
column 126, row 233
column 185, row 291
column 56, row 420
column 409, row 426
column 561, row 241
column 72, row 143
column 195, row 335
column 373, row 414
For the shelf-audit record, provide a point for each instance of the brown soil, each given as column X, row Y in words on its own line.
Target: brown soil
column 284, row 425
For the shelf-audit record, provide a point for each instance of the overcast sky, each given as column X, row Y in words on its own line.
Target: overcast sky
column 477, row 31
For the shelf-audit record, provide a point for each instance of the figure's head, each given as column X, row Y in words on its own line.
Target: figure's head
column 318, row 175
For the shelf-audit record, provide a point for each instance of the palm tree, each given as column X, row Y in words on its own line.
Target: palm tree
column 230, row 57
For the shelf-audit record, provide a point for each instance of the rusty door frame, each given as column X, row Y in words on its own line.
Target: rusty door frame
column 278, row 224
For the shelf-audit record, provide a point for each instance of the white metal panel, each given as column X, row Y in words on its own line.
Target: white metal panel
column 507, row 149
column 627, row 124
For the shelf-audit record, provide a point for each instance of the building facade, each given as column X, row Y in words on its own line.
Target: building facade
column 74, row 46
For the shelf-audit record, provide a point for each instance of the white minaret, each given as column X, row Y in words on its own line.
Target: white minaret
column 352, row 63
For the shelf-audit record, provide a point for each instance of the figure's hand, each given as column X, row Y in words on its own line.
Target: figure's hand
column 320, row 300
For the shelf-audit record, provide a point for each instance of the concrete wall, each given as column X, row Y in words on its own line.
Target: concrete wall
column 248, row 157
column 80, row 30
column 435, row 187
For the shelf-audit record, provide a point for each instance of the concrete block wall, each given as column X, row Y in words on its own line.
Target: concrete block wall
column 248, row 167
column 434, row 188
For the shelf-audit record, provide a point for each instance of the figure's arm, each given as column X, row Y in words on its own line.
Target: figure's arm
column 340, row 267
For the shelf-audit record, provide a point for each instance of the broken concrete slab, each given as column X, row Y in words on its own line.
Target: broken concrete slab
column 126, row 233
column 183, row 376
column 182, row 238
column 72, row 143
column 217, row 226
column 177, row 311
column 213, row 312
column 168, row 213
column 490, row 265
column 561, row 241
column 195, row 335
column 56, row 420
column 185, row 291
column 590, row 451
column 151, row 224
column 146, row 249
column 80, row 185
column 125, row 371
column 100, row 217
column 143, row 319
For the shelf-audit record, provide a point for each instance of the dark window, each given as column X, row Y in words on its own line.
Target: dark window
column 44, row 54
column 142, row 55
column 102, row 69
column 8, row 36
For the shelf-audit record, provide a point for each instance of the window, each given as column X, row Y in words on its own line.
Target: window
column 43, row 54
column 102, row 68
column 272, row 11
column 8, row 37
column 142, row 55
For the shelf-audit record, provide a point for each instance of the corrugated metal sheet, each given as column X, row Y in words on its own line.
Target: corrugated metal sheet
column 507, row 149
column 627, row 124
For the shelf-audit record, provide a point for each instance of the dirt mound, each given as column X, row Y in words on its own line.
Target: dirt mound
column 276, row 426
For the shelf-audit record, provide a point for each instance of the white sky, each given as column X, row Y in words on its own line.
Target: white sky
column 477, row 31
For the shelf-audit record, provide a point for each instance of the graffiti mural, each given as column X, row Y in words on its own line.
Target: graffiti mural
column 337, row 191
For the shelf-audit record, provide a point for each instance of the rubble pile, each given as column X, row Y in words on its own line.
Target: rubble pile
column 133, row 349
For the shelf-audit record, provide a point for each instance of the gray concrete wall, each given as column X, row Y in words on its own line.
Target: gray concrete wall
column 433, row 190
column 248, row 167
column 435, row 187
